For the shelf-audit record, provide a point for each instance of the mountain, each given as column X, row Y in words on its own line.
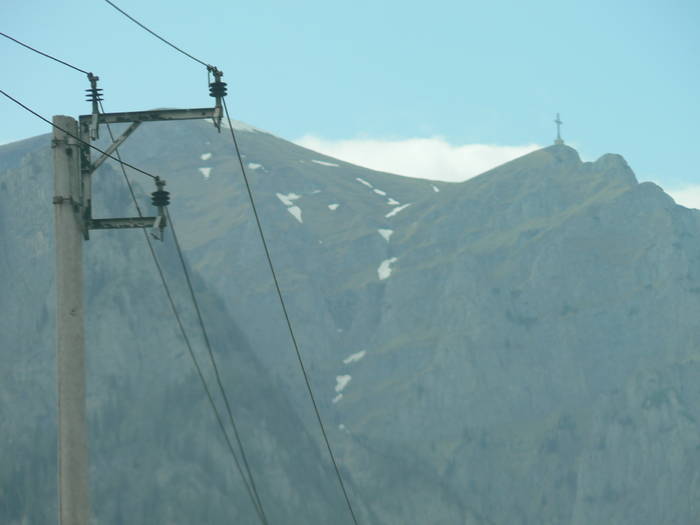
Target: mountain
column 519, row 348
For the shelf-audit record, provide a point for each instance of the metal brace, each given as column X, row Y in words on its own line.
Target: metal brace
column 112, row 148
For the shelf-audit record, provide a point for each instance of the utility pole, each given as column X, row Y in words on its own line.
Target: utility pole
column 70, row 333
column 73, row 169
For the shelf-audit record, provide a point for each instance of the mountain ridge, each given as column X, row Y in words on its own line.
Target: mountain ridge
column 522, row 347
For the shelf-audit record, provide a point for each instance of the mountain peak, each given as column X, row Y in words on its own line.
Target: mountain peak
column 547, row 162
column 612, row 161
column 615, row 167
column 559, row 160
column 552, row 300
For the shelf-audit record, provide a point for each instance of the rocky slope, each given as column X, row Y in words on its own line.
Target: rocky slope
column 519, row 348
column 157, row 455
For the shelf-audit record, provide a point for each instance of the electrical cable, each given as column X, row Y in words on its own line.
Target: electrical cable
column 267, row 254
column 77, row 138
column 269, row 259
column 252, row 489
column 252, row 492
column 287, row 319
column 215, row 366
column 45, row 54
column 208, row 66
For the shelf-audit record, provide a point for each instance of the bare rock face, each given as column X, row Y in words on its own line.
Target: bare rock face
column 518, row 348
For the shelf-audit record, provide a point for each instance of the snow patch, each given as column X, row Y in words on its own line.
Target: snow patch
column 384, row 270
column 296, row 211
column 436, row 189
column 254, row 166
column 379, row 192
column 337, row 398
column 392, row 202
column 205, row 156
column 385, row 233
column 206, row 172
column 333, row 207
column 287, row 199
column 341, row 382
column 324, row 163
column 397, row 210
column 363, row 181
column 354, row 358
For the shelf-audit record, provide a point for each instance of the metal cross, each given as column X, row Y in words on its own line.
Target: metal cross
column 558, row 122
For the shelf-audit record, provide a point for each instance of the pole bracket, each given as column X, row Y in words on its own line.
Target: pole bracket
column 60, row 199
column 120, row 223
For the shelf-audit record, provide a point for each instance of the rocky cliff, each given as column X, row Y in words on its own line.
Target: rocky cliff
column 519, row 348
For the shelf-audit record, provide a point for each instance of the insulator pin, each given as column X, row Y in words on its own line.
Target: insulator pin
column 160, row 198
column 93, row 95
column 217, row 89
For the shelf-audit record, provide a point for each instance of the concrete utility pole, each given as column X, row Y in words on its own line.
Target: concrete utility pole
column 70, row 333
column 73, row 169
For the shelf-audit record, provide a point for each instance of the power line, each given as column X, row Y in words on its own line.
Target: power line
column 269, row 260
column 77, row 138
column 254, row 494
column 215, row 366
column 208, row 66
column 287, row 319
column 45, row 54
column 251, row 489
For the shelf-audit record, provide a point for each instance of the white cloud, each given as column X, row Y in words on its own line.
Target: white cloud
column 688, row 196
column 426, row 158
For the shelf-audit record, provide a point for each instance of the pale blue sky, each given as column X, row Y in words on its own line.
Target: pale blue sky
column 624, row 75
